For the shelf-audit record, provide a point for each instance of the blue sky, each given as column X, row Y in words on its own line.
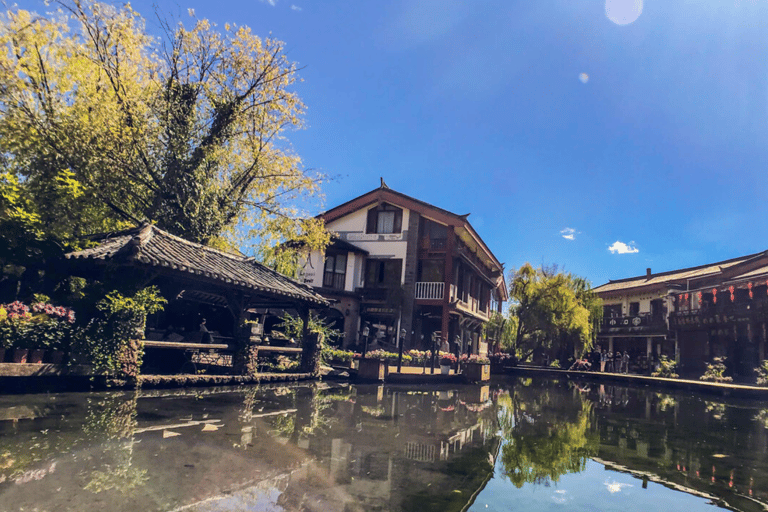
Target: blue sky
column 540, row 116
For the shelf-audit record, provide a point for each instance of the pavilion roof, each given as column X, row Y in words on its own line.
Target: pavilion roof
column 150, row 246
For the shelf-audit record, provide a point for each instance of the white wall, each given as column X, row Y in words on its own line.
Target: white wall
column 351, row 228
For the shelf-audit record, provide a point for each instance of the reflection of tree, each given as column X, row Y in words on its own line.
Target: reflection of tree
column 535, row 450
column 665, row 401
column 308, row 419
column 717, row 409
column 113, row 420
column 762, row 417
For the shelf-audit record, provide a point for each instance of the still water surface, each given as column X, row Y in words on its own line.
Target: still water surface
column 516, row 445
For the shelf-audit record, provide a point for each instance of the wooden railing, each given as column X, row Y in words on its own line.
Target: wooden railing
column 430, row 290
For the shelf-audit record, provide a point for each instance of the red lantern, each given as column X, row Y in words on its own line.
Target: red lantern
column 731, row 289
column 714, row 294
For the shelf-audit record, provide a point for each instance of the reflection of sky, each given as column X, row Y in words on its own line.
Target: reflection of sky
column 594, row 489
column 250, row 500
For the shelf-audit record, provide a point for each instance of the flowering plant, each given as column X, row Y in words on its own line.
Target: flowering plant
column 447, row 359
column 474, row 358
column 44, row 326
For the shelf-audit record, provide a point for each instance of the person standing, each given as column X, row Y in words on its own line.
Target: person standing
column 609, row 362
column 603, row 357
column 617, row 361
column 625, row 361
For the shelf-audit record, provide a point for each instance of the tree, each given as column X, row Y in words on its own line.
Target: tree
column 544, row 440
column 186, row 130
column 555, row 312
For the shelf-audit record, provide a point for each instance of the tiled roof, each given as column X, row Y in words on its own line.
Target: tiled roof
column 672, row 277
column 154, row 247
column 758, row 272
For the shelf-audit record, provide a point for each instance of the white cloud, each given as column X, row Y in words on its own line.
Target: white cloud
column 615, row 486
column 568, row 233
column 296, row 8
column 270, row 2
column 622, row 248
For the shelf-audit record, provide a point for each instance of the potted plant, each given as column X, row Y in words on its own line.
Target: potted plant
column 14, row 329
column 477, row 368
column 375, row 365
column 446, row 362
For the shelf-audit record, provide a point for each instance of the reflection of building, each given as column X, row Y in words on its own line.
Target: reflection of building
column 396, row 263
column 692, row 314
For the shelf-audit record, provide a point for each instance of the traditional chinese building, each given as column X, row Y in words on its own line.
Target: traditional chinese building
column 692, row 314
column 400, row 265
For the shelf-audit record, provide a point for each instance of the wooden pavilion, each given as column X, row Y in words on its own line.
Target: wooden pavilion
column 195, row 278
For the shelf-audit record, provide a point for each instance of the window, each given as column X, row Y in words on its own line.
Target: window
column 431, row 271
column 634, row 308
column 433, row 235
column 335, row 271
column 385, row 219
column 383, row 273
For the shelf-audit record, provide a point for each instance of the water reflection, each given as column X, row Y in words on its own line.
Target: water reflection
column 340, row 447
column 308, row 447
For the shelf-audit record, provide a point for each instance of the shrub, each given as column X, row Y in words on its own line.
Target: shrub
column 666, row 369
column 716, row 371
column 110, row 342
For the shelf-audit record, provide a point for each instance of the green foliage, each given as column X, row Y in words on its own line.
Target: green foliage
column 102, row 123
column 666, row 369
column 540, row 452
column 293, row 328
column 762, row 373
column 501, row 329
column 110, row 342
column 552, row 311
column 715, row 371
column 330, row 354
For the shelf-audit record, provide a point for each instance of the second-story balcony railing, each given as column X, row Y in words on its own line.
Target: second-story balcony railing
column 430, row 290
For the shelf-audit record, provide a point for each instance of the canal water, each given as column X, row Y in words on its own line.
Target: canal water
column 519, row 444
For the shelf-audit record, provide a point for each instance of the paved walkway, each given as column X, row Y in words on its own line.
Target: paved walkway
column 725, row 389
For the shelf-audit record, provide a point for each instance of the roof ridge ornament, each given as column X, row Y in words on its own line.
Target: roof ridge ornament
column 383, row 183
column 141, row 238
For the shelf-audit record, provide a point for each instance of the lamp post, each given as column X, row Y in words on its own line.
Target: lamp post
column 435, row 342
column 366, row 331
column 400, row 351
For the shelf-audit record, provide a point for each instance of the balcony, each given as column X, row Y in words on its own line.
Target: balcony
column 470, row 305
column 430, row 290
column 724, row 312
column 640, row 323
column 373, row 294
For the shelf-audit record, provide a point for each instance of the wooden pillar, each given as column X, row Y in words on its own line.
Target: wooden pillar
column 311, row 343
column 449, row 250
column 245, row 356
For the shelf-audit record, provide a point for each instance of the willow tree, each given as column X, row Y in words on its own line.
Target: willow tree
column 186, row 129
column 555, row 312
